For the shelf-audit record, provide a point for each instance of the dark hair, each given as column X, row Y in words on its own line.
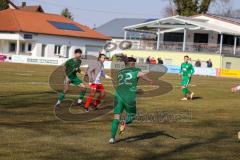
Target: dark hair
column 186, row 56
column 129, row 59
column 100, row 55
column 78, row 51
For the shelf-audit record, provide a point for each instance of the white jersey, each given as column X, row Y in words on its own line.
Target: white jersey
column 98, row 77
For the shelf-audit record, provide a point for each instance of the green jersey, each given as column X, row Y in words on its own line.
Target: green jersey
column 127, row 83
column 186, row 69
column 72, row 66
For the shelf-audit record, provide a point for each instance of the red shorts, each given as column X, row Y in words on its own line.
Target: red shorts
column 97, row 87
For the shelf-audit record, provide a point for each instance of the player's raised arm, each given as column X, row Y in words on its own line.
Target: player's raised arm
column 192, row 70
column 181, row 70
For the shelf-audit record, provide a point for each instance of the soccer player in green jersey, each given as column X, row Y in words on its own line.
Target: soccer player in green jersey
column 72, row 67
column 125, row 96
column 186, row 72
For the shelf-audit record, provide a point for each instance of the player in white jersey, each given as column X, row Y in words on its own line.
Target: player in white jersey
column 95, row 72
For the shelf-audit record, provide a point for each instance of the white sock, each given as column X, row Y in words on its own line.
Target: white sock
column 58, row 102
column 79, row 101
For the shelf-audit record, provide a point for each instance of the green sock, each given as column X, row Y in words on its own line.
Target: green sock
column 61, row 96
column 115, row 124
column 82, row 94
column 185, row 91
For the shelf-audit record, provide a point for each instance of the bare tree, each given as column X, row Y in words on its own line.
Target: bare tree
column 170, row 9
column 222, row 7
column 235, row 13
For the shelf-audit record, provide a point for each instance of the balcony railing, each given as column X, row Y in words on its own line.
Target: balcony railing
column 190, row 47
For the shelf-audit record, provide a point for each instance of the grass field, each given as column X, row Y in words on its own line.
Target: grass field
column 30, row 130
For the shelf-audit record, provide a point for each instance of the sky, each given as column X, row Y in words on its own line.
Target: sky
column 97, row 12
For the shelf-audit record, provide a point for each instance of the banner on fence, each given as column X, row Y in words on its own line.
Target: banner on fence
column 198, row 71
column 37, row 60
column 230, row 73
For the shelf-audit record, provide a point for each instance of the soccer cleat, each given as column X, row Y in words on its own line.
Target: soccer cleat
column 112, row 141
column 86, row 109
column 192, row 96
column 94, row 108
column 122, row 127
column 184, row 99
column 57, row 105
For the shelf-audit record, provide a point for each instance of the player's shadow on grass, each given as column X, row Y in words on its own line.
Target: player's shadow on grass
column 144, row 136
column 179, row 150
column 197, row 98
column 28, row 94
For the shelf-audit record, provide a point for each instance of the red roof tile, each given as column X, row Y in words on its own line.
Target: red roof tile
column 34, row 22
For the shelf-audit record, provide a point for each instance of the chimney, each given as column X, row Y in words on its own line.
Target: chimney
column 24, row 4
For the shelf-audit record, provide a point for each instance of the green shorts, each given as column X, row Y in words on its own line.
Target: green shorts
column 75, row 80
column 128, row 106
column 185, row 81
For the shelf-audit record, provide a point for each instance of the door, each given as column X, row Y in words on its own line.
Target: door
column 68, row 51
column 43, row 50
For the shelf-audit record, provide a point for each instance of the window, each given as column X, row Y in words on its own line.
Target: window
column 23, row 47
column 27, row 36
column 29, row 47
column 227, row 39
column 65, row 26
column 238, row 41
column 200, row 38
column 57, row 49
column 173, row 37
column 12, row 47
column 228, row 65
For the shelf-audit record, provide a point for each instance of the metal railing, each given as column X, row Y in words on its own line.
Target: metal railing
column 190, row 47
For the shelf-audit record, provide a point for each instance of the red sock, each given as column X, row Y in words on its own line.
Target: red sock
column 89, row 100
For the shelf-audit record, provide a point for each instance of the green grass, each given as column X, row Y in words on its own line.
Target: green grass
column 30, row 130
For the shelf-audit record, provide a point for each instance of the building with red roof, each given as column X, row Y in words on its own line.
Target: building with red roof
column 27, row 30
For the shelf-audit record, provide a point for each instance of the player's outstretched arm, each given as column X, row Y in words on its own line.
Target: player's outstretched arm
column 144, row 76
column 108, row 77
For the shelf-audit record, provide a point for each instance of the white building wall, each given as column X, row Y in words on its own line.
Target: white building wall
column 50, row 41
column 49, row 50
column 10, row 36
column 37, row 49
column 213, row 38
column 64, row 42
column 5, row 47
